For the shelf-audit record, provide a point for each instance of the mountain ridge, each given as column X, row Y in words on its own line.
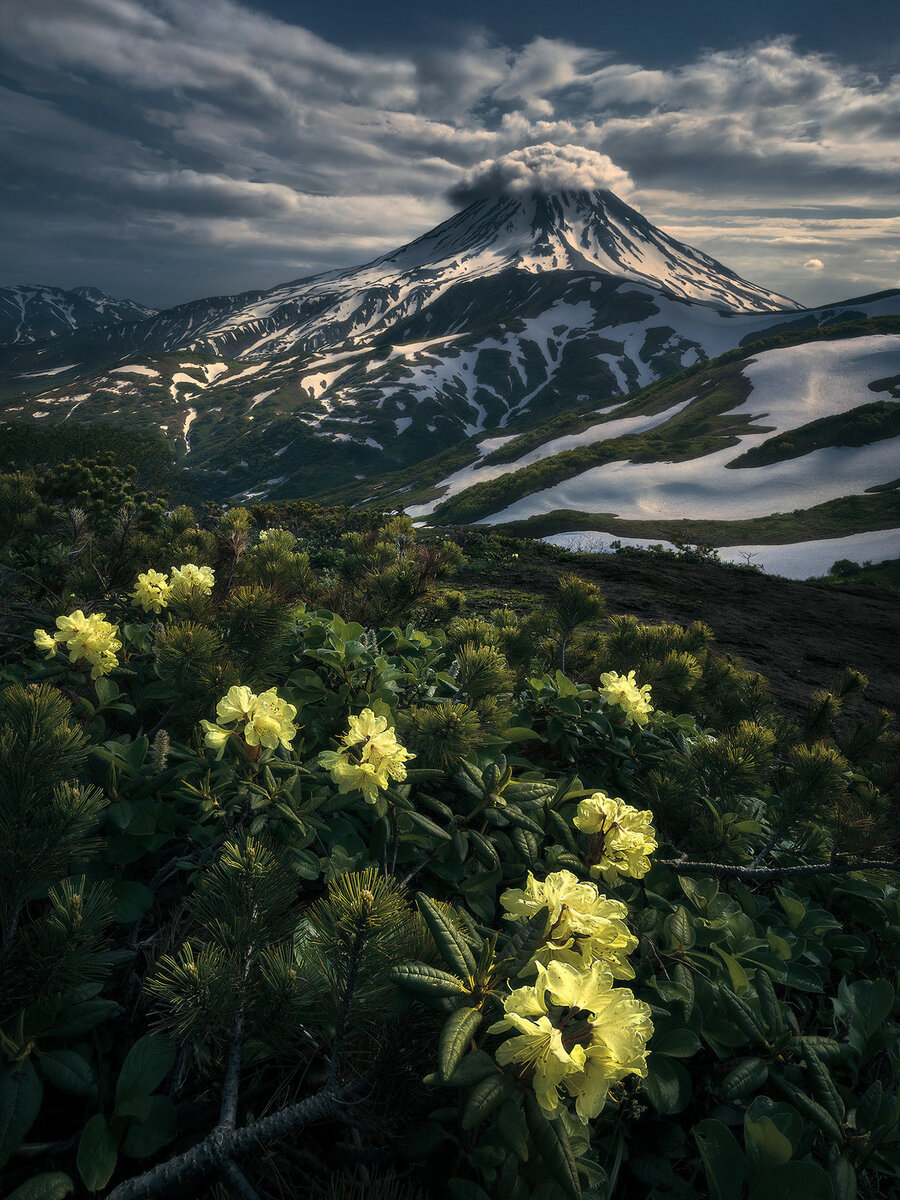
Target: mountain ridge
column 511, row 308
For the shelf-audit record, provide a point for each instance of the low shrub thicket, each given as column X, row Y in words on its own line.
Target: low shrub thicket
column 311, row 884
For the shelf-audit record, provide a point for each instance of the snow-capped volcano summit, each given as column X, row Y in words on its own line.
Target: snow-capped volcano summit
column 519, row 307
column 574, row 231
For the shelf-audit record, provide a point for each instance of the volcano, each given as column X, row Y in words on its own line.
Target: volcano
column 517, row 308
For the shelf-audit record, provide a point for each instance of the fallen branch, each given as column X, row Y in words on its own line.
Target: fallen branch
column 223, row 1145
column 761, row 874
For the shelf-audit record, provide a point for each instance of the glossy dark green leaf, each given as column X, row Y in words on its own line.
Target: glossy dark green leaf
column 552, row 1143
column 451, row 944
column 427, row 980
column 21, row 1093
column 722, row 1160
column 97, row 1153
column 456, row 1035
column 484, row 1097
column 68, row 1071
column 668, row 1085
column 52, row 1185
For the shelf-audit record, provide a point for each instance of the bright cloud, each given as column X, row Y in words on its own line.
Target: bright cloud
column 545, row 168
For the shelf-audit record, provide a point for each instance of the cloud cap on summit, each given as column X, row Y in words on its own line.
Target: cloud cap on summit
column 544, row 168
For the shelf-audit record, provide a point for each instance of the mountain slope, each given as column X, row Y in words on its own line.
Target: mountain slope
column 786, row 430
column 37, row 313
column 514, row 308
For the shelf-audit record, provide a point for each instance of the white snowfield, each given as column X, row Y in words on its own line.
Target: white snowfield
column 481, row 472
column 134, row 370
column 792, row 386
column 795, row 560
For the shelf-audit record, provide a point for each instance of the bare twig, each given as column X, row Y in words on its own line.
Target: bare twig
column 762, row 874
column 223, row 1145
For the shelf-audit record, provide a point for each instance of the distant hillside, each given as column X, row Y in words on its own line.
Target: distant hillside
column 38, row 313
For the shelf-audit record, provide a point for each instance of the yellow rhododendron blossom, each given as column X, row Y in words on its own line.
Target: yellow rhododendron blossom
column 369, row 759
column 264, row 720
column 582, row 925
column 189, row 580
column 43, row 641
column 623, row 690
column 577, row 1031
column 623, row 837
column 88, row 639
column 151, row 592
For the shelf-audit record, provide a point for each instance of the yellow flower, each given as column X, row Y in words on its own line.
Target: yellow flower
column 271, row 721
column 624, row 837
column 353, row 776
column 215, row 737
column 581, row 926
column 88, row 639
column 151, row 592
column 369, row 759
column 622, row 690
column 43, row 641
column 189, row 580
column 264, row 720
column 576, row 1031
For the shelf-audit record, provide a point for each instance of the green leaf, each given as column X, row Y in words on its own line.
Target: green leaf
column 524, row 941
column 512, row 1127
column 484, row 1097
column 748, row 1076
column 792, row 1181
column 736, row 972
column 822, row 1084
column 146, row 1065
column 97, row 1153
column 767, row 1146
column 53, row 1185
column 676, row 1043
column 427, row 826
column 449, row 941
column 843, row 1179
column 869, row 1106
column 722, row 1160
column 83, row 1017
column 743, row 1016
column 458, row 1031
column 552, row 1143
column 472, row 1069
column 793, row 909
column 668, row 1085
column 155, row 1131
column 700, row 892
column 21, row 1093
column 769, row 1004
column 809, row 1107
column 132, row 899
column 679, row 930
column 427, row 980
column 465, row 1189
column 68, row 1071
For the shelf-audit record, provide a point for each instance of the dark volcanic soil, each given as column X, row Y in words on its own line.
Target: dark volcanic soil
column 798, row 635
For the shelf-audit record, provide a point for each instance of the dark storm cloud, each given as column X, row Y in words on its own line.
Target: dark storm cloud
column 174, row 149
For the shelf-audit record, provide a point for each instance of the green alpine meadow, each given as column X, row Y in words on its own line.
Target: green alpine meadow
column 330, row 868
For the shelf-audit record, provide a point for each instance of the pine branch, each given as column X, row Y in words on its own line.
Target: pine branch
column 762, row 874
column 222, row 1145
column 238, row 1181
column 228, row 1112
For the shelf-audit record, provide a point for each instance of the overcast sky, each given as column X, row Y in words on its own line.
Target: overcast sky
column 171, row 149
